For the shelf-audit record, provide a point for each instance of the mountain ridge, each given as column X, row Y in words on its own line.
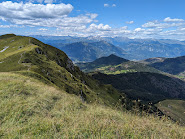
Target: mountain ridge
column 174, row 66
column 114, row 65
column 85, row 51
column 137, row 49
column 30, row 57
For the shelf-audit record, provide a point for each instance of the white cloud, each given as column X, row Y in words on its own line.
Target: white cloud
column 93, row 16
column 43, row 29
column 9, row 26
column 45, row 16
column 113, row 5
column 129, row 22
column 29, row 11
column 124, row 28
column 100, row 27
column 139, row 29
column 182, row 29
column 168, row 19
column 106, row 5
column 49, row 15
column 157, row 24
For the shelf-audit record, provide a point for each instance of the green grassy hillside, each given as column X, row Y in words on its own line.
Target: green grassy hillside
column 31, row 57
column 175, row 66
column 149, row 87
column 173, row 108
column 111, row 60
column 43, row 95
column 33, row 109
column 152, row 60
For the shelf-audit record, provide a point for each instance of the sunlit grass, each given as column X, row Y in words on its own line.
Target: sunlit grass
column 173, row 108
column 31, row 109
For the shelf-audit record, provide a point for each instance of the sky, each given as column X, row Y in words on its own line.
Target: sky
column 158, row 19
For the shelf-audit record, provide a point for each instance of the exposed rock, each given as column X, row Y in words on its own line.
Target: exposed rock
column 82, row 96
column 70, row 65
column 59, row 62
column 38, row 50
column 26, row 61
column 6, row 47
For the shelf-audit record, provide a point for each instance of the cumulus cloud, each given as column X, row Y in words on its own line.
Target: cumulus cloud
column 49, row 15
column 44, row 16
column 139, row 29
column 168, row 19
column 100, row 27
column 28, row 11
column 129, row 22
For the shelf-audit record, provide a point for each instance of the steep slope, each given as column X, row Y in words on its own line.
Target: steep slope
column 31, row 109
column 175, row 66
column 145, row 86
column 86, row 52
column 31, row 57
column 115, row 65
column 173, row 108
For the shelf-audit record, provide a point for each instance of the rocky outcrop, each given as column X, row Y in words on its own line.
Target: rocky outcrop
column 38, row 50
column 70, row 65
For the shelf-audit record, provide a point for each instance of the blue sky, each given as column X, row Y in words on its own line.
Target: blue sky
column 127, row 18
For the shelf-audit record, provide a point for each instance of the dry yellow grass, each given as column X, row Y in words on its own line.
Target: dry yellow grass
column 31, row 109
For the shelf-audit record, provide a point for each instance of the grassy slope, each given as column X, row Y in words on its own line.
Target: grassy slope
column 31, row 109
column 31, row 57
column 101, row 62
column 127, row 67
column 173, row 108
column 149, row 87
column 175, row 66
column 107, row 66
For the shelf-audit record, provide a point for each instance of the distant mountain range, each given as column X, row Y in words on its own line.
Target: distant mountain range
column 136, row 49
column 85, row 52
